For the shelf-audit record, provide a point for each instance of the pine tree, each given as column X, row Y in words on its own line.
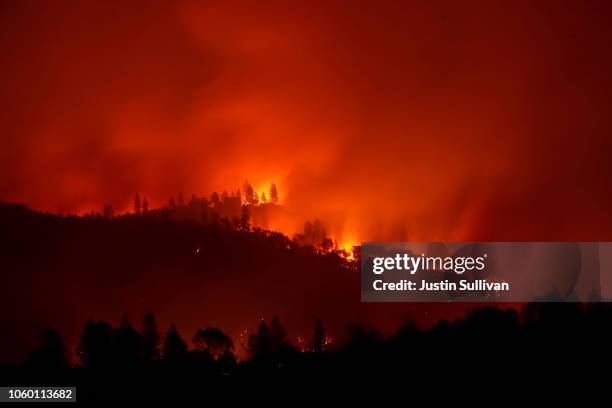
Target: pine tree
column 249, row 194
column 278, row 335
column 128, row 344
column 318, row 343
column 137, row 204
column 174, row 345
column 273, row 194
column 245, row 216
column 214, row 198
column 151, row 337
column 125, row 321
column 96, row 344
column 260, row 344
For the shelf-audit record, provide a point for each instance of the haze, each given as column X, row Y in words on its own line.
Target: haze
column 413, row 121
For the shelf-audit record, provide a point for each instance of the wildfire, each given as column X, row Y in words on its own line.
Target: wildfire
column 347, row 245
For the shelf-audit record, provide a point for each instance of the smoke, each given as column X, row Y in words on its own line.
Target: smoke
column 420, row 121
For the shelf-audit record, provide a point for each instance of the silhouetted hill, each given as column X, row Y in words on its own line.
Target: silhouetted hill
column 61, row 270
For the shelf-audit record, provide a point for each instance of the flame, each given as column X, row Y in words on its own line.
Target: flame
column 347, row 244
column 262, row 188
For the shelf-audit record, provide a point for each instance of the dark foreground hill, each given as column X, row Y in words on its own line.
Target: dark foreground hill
column 61, row 270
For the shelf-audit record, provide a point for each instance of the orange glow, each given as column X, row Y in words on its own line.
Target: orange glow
column 400, row 124
column 264, row 188
column 347, row 245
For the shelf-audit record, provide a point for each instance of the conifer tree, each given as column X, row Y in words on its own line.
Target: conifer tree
column 273, row 194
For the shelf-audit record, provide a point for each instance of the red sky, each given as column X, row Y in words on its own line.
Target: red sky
column 425, row 120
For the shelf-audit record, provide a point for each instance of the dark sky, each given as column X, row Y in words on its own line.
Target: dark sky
column 425, row 120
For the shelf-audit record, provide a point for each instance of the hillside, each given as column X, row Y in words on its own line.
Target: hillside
column 61, row 270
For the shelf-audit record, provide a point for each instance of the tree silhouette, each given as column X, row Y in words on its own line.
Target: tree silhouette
column 318, row 232
column 52, row 354
column 249, row 194
column 260, row 344
column 318, row 343
column 175, row 347
column 125, row 321
column 278, row 335
column 129, row 345
column 181, row 199
column 214, row 199
column 150, row 336
column 273, row 194
column 137, row 204
column 314, row 234
column 214, row 341
column 245, row 216
column 360, row 337
column 264, row 199
column 96, row 346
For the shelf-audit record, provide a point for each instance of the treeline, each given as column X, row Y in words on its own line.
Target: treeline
column 234, row 207
column 485, row 335
column 239, row 210
column 102, row 346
